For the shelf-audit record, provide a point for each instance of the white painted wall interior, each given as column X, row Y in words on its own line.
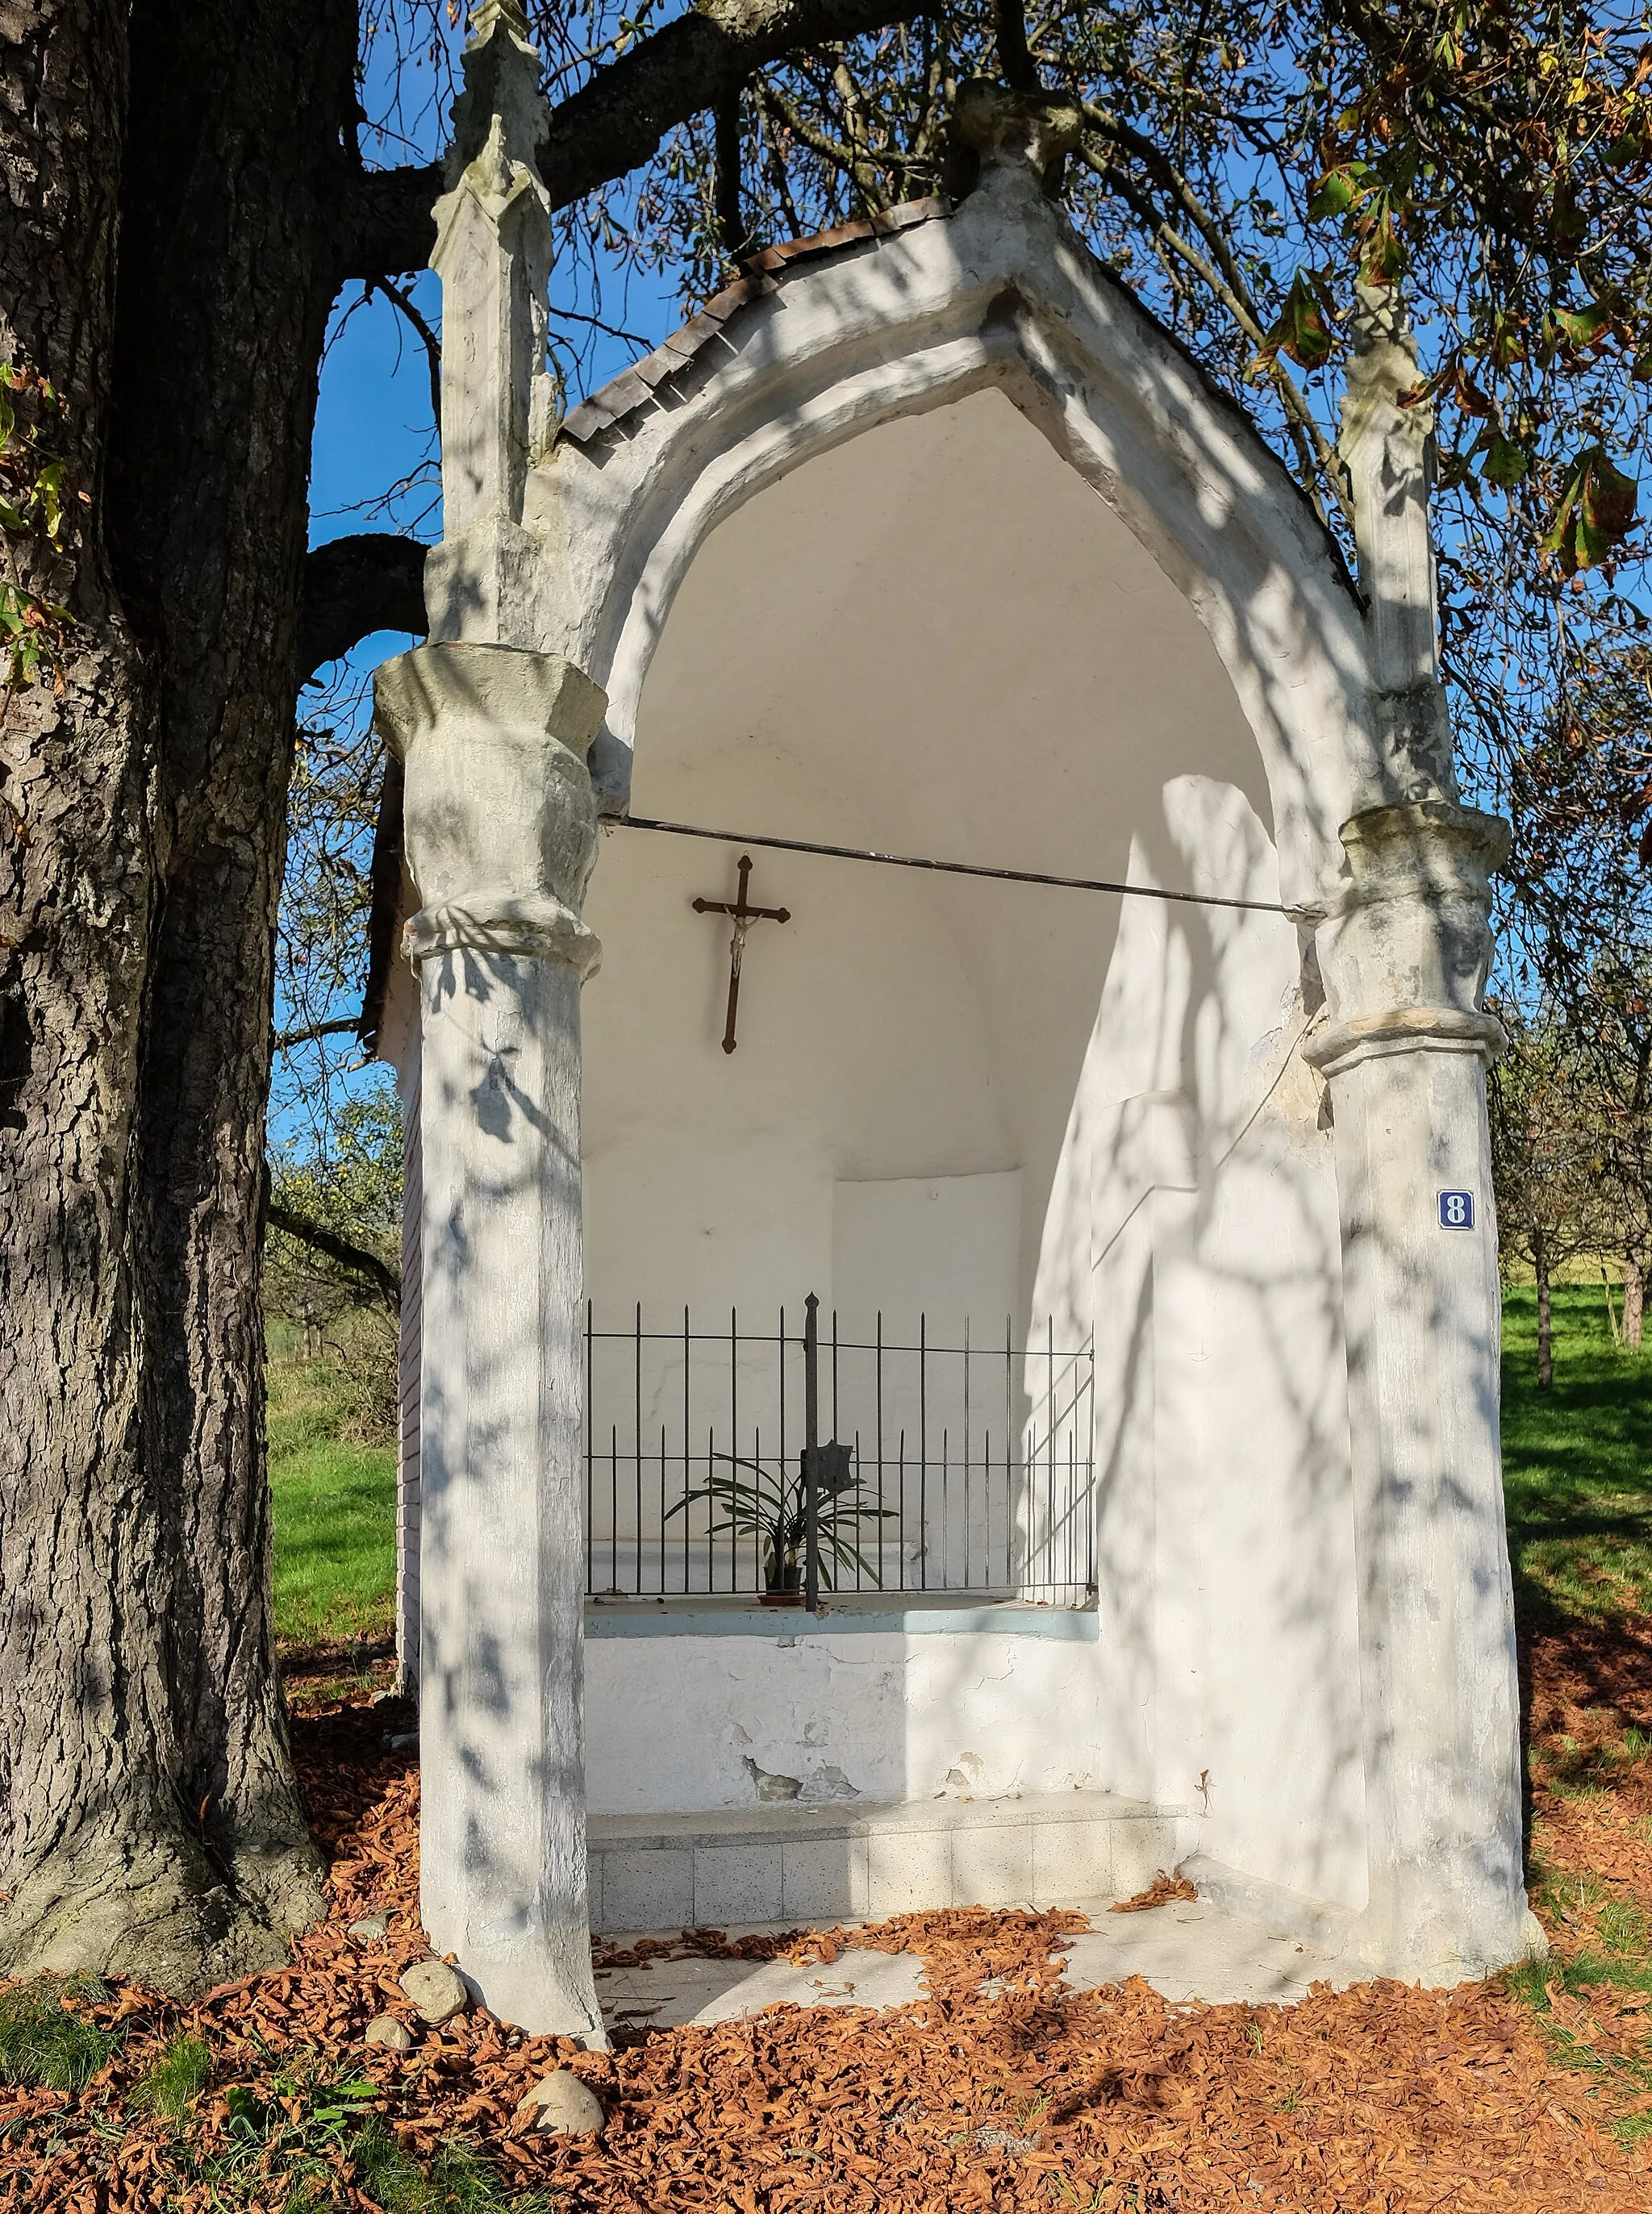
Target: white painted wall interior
column 938, row 639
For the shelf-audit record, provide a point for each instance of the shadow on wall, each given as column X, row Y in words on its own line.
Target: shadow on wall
column 1228, row 1589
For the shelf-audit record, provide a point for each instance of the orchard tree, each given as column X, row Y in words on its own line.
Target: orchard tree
column 1546, row 1158
column 190, row 190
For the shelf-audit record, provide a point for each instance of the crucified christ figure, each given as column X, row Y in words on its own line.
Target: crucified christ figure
column 745, row 914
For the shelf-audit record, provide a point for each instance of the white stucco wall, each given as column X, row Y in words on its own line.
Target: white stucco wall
column 938, row 639
column 684, row 1724
column 1229, row 1596
column 972, row 1098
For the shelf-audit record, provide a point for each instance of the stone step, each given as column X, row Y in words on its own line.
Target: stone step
column 814, row 1863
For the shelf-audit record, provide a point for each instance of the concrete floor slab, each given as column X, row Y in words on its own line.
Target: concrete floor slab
column 1188, row 1950
column 672, row 1992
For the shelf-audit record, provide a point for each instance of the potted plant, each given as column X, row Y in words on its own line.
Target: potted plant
column 765, row 1503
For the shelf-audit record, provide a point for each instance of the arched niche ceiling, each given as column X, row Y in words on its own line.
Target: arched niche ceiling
column 934, row 638
column 950, row 632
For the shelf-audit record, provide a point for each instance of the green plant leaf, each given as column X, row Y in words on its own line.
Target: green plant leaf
column 1505, row 461
column 48, row 493
column 1385, row 257
column 1583, row 327
column 1336, row 192
column 1302, row 331
column 1595, row 514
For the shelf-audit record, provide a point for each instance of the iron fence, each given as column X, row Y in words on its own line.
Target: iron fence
column 962, row 1467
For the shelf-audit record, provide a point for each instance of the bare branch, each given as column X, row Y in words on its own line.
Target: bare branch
column 1314, row 456
column 1010, row 30
column 730, row 214
column 617, row 120
column 356, row 1258
column 283, row 1040
column 387, row 225
column 402, row 301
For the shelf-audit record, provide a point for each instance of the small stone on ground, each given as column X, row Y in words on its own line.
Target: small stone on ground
column 438, row 1991
column 370, row 1928
column 384, row 2029
column 562, row 2104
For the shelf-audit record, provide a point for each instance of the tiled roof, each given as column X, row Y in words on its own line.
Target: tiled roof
column 635, row 386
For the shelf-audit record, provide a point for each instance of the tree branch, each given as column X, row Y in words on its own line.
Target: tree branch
column 356, row 1258
column 387, row 226
column 1010, row 30
column 730, row 214
column 402, row 301
column 354, row 586
column 283, row 1040
column 617, row 120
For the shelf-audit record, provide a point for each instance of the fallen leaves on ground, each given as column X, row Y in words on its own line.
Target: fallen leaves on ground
column 1026, row 2096
column 1163, row 1890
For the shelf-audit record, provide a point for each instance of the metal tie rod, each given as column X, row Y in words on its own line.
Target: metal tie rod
column 954, row 868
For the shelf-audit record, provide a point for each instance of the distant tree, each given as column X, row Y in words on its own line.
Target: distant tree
column 1615, row 1082
column 1545, row 1159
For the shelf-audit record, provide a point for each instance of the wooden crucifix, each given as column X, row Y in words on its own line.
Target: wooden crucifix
column 745, row 914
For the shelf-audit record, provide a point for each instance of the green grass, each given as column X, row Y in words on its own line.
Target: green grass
column 335, row 1513
column 456, row 2182
column 42, row 2042
column 1578, row 1460
column 179, row 2075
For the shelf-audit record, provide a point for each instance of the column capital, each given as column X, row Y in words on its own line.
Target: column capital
column 1406, row 945
column 500, row 823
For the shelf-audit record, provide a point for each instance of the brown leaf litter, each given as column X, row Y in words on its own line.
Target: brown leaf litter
column 1026, row 2096
column 1163, row 1890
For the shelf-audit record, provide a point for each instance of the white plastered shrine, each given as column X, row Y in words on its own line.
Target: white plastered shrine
column 925, row 539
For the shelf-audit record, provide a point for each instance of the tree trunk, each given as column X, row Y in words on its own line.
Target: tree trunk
column 1634, row 1298
column 154, row 1822
column 100, row 1861
column 1545, row 1316
column 237, row 156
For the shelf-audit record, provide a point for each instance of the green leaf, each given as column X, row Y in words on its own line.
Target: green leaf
column 48, row 492
column 1583, row 327
column 1608, row 498
column 1505, row 461
column 1385, row 256
column 1302, row 331
column 1596, row 513
column 1336, row 192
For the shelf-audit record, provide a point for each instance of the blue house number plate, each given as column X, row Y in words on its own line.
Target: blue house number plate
column 1457, row 1210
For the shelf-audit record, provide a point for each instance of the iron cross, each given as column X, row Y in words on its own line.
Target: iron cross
column 745, row 915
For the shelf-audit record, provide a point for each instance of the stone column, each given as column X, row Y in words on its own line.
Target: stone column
column 500, row 837
column 1404, row 955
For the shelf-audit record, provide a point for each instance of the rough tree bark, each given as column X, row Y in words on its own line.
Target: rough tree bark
column 104, row 1778
column 151, row 1821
